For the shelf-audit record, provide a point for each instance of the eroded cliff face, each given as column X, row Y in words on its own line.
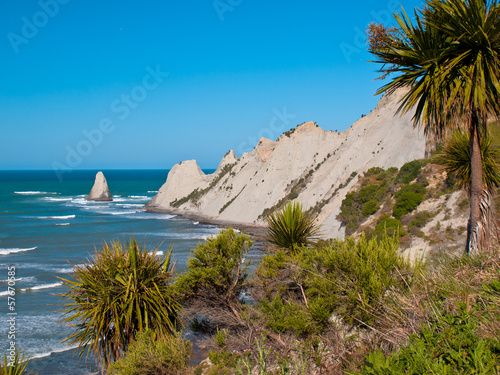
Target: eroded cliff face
column 310, row 165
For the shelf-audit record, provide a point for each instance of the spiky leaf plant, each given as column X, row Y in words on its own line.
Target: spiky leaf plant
column 15, row 366
column 120, row 291
column 456, row 158
column 291, row 226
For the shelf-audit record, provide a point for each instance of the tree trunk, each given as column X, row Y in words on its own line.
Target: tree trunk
column 476, row 187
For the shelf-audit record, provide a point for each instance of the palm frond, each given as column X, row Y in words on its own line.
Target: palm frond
column 456, row 157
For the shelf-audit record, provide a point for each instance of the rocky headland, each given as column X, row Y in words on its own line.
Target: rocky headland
column 307, row 164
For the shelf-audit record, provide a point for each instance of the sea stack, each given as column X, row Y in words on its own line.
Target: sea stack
column 100, row 190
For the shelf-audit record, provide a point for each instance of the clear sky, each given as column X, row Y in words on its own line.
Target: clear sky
column 146, row 84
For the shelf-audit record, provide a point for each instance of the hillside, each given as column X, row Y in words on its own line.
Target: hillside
column 311, row 165
column 418, row 203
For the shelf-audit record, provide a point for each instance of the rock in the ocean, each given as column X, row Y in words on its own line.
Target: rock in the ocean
column 100, row 190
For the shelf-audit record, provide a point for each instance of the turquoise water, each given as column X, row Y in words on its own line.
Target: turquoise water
column 47, row 225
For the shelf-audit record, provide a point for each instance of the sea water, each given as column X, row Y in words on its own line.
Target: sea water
column 47, row 226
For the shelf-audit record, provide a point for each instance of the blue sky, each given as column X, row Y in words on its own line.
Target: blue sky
column 129, row 84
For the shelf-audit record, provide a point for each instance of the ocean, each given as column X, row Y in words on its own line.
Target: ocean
column 46, row 226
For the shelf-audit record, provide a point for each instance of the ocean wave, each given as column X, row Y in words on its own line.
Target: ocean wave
column 7, row 251
column 40, row 287
column 21, row 279
column 152, row 216
column 196, row 222
column 62, row 224
column 57, row 199
column 131, row 205
column 80, row 201
column 60, row 350
column 64, row 217
column 152, row 191
column 181, row 236
column 138, row 197
column 158, row 253
column 116, row 212
column 64, row 270
column 34, row 192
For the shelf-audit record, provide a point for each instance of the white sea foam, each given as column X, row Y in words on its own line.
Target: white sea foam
column 116, row 212
column 80, row 201
column 5, row 293
column 65, row 270
column 34, row 192
column 180, row 236
column 40, row 287
column 152, row 191
column 138, row 197
column 196, row 222
column 62, row 224
column 150, row 216
column 7, row 251
column 60, row 350
column 158, row 253
column 57, row 199
column 64, row 217
column 21, row 279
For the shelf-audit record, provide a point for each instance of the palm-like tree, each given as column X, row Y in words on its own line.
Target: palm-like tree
column 123, row 290
column 456, row 159
column 291, row 226
column 449, row 58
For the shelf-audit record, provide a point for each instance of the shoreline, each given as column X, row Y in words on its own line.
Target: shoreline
column 256, row 231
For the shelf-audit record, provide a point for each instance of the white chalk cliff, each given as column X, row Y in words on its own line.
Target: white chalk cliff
column 100, row 190
column 310, row 165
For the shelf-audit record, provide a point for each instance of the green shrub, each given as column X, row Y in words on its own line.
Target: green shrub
column 373, row 171
column 349, row 278
column 367, row 193
column 409, row 171
column 358, row 205
column 370, row 207
column 406, row 203
column 216, row 267
column 448, row 346
column 408, row 198
column 419, row 219
column 149, row 356
column 286, row 316
column 388, row 226
column 387, row 175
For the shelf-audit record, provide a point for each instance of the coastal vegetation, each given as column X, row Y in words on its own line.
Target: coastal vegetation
column 351, row 306
column 16, row 365
column 121, row 291
column 448, row 58
column 291, row 227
